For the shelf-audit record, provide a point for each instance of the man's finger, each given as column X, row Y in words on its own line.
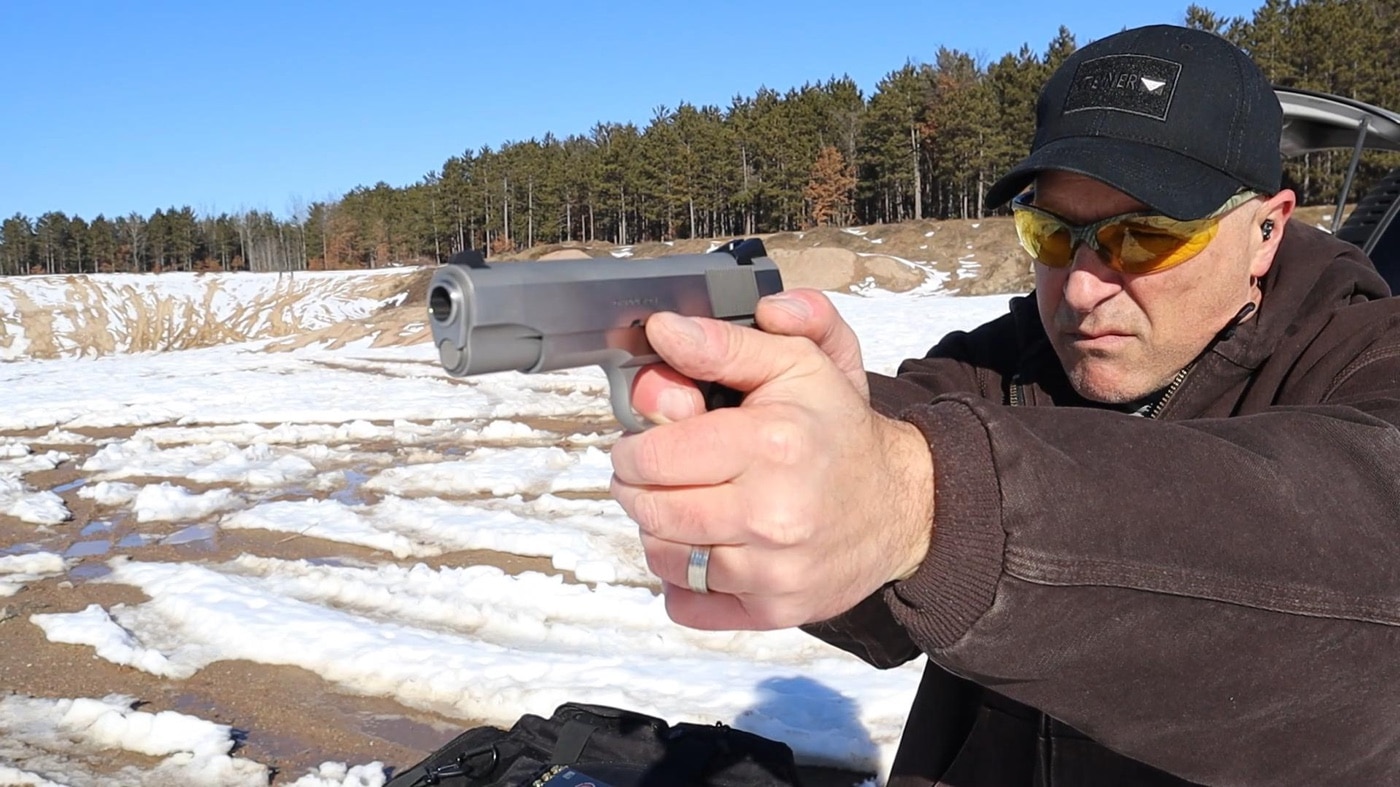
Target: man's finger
column 694, row 452
column 708, row 611
column 734, row 568
column 685, row 515
column 670, row 562
column 663, row 395
column 722, row 611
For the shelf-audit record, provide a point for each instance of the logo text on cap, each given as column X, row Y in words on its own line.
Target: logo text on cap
column 1136, row 84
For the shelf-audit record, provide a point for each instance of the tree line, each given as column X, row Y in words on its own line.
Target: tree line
column 927, row 143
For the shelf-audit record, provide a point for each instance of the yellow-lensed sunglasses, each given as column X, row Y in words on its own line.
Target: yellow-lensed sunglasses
column 1136, row 243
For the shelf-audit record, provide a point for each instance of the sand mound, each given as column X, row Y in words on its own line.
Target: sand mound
column 972, row 256
column 841, row 269
column 565, row 254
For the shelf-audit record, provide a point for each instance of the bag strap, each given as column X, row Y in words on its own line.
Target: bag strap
column 572, row 738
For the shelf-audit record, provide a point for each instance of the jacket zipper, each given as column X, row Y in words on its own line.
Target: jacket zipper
column 1014, row 396
column 1171, row 391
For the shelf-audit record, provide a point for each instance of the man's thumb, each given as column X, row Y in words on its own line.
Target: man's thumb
column 716, row 351
column 810, row 314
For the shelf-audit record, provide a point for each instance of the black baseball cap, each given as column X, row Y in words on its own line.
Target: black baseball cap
column 1179, row 119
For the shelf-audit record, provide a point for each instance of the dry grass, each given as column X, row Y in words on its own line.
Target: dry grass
column 106, row 315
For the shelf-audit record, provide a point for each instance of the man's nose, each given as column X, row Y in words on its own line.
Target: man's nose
column 1090, row 280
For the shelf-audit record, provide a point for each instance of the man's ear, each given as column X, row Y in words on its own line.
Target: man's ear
column 1272, row 218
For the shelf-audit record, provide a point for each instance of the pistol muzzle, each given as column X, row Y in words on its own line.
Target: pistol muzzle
column 465, row 347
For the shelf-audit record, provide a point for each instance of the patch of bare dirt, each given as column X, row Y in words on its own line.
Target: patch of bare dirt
column 565, row 254
column 1320, row 215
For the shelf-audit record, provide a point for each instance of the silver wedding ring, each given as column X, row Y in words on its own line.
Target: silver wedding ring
column 697, row 571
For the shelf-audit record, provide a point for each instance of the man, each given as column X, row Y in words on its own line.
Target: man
column 1146, row 526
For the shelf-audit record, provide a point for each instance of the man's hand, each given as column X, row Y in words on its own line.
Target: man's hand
column 810, row 499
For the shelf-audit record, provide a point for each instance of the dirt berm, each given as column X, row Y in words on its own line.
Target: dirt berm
column 891, row 256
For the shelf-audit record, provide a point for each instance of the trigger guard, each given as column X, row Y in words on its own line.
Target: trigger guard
column 620, row 396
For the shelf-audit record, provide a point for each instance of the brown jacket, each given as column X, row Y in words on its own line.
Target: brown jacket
column 1213, row 593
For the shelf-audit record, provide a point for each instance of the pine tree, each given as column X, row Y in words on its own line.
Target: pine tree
column 959, row 133
column 18, row 246
column 1014, row 84
column 892, row 144
column 1201, row 18
column 829, row 188
column 50, row 233
column 103, row 244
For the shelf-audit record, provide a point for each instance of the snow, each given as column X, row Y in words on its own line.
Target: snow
column 380, row 450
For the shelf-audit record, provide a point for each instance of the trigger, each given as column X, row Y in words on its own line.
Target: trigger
column 620, row 396
column 717, row 396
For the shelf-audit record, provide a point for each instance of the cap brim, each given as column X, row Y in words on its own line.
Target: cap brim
column 1164, row 180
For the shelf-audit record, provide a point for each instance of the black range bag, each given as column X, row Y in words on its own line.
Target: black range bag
column 608, row 747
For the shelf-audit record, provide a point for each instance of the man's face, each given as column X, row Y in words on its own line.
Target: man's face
column 1122, row 336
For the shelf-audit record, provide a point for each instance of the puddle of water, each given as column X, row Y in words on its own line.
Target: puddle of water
column 88, row 548
column 351, row 495
column 95, row 528
column 135, row 540
column 203, row 535
column 407, row 732
column 85, row 571
column 70, row 486
column 287, row 493
column 21, row 549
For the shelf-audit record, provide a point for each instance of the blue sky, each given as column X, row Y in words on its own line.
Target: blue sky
column 115, row 107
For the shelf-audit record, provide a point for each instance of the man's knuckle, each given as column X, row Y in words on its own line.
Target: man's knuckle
column 782, row 442
column 790, row 528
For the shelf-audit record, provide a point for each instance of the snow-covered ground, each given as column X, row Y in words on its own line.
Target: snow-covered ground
column 235, row 437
